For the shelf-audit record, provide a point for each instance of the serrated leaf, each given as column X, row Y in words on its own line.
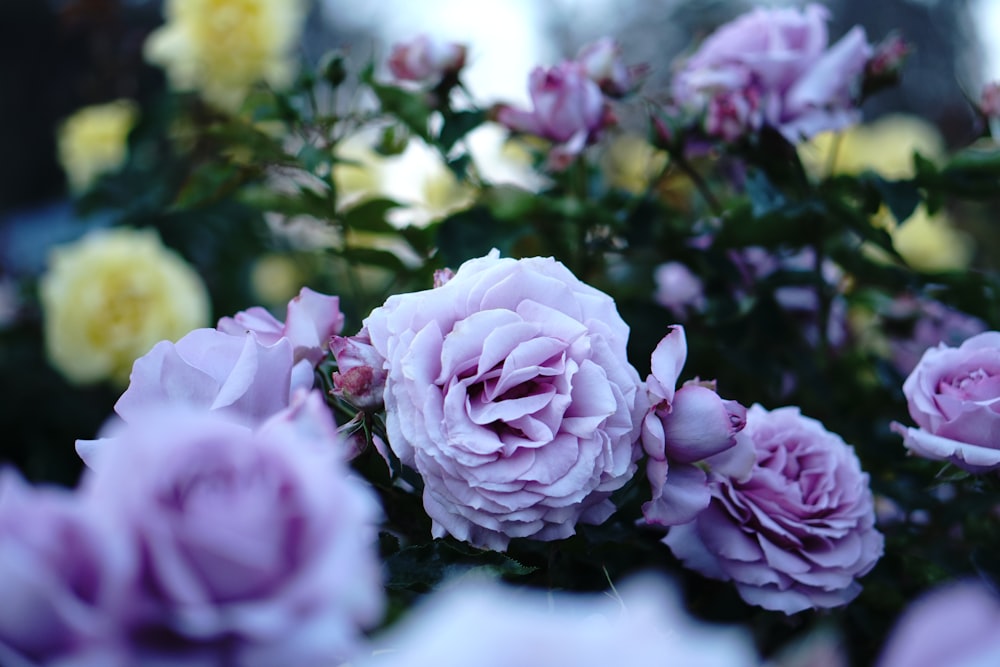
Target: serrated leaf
column 457, row 125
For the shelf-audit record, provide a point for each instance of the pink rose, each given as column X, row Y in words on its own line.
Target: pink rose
column 510, row 392
column 954, row 397
column 678, row 289
column 798, row 531
column 684, row 432
column 774, row 67
column 258, row 546
column 360, row 377
column 568, row 109
column 425, row 58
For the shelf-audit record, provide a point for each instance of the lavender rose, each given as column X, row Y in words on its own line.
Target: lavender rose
column 954, row 626
column 773, row 67
column 569, row 109
column 257, row 546
column 65, row 572
column 954, row 396
column 795, row 534
column 685, row 432
column 509, row 391
column 646, row 625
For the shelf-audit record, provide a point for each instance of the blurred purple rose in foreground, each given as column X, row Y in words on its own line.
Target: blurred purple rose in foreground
column 799, row 531
column 954, row 626
column 684, row 432
column 773, row 67
column 258, row 548
column 569, row 109
column 481, row 623
column 954, row 397
column 65, row 572
column 510, row 392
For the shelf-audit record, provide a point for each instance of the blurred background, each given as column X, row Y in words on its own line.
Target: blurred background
column 57, row 56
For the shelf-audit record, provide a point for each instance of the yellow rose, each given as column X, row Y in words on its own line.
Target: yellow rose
column 631, row 163
column 109, row 297
column 94, row 141
column 886, row 146
column 220, row 48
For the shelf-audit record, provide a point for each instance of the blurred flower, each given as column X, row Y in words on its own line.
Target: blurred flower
column 220, row 48
column 678, row 289
column 773, row 66
column 510, row 393
column 886, row 64
column 645, row 625
column 108, row 297
column 631, row 163
column 275, row 277
column 501, row 159
column 94, row 141
column 421, row 181
column 886, row 146
column 65, row 571
column 954, row 397
column 798, row 531
column 426, row 59
column 685, row 432
column 357, row 173
column 930, row 323
column 954, row 625
column 258, row 545
column 568, row 109
column 602, row 61
column 989, row 100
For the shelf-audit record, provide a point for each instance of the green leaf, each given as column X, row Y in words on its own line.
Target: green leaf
column 902, row 197
column 457, row 125
column 370, row 216
column 409, row 107
column 473, row 233
column 312, row 157
column 424, row 566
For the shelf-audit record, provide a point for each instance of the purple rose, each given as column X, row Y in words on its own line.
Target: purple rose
column 678, row 289
column 312, row 318
column 796, row 533
column 684, row 432
column 65, row 572
column 774, row 67
column 954, row 396
column 569, row 110
column 257, row 545
column 209, row 370
column 954, row 626
column 481, row 623
column 425, row 58
column 510, row 392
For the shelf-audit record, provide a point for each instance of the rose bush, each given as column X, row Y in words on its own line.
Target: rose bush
column 798, row 531
column 510, row 392
column 954, row 397
column 772, row 67
column 258, row 548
